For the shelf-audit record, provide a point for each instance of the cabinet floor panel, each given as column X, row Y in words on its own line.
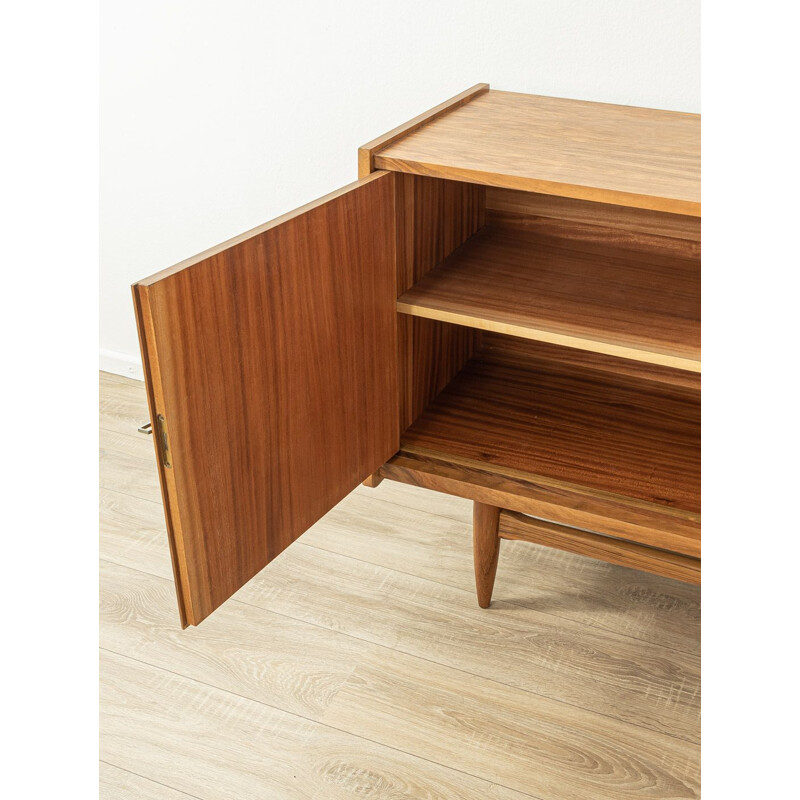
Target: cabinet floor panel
column 604, row 299
column 563, row 420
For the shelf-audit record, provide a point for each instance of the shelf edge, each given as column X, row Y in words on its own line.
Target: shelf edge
column 551, row 337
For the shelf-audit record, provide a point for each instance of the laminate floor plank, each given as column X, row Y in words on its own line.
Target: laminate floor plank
column 420, row 499
column 112, row 377
column 128, row 465
column 636, row 682
column 267, row 657
column 594, row 593
column 119, row 784
column 524, row 741
column 123, row 405
column 643, row 684
column 133, row 533
column 215, row 745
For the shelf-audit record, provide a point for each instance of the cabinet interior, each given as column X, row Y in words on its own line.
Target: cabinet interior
column 550, row 339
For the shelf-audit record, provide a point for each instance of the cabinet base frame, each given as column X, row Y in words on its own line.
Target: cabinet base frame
column 621, row 518
column 491, row 524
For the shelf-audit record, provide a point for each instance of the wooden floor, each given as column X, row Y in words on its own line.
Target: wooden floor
column 358, row 663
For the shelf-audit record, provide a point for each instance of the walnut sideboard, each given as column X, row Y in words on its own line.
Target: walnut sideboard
column 505, row 307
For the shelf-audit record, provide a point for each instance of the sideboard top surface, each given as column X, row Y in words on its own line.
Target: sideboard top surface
column 640, row 157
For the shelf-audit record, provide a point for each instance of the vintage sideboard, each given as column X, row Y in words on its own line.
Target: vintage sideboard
column 505, row 307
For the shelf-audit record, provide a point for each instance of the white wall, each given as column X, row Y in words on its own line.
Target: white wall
column 217, row 116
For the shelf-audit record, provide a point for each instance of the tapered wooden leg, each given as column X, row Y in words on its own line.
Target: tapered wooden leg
column 486, row 549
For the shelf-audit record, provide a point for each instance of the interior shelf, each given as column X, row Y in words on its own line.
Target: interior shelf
column 627, row 303
column 538, row 412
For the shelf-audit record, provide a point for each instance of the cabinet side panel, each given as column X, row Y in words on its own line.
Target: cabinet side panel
column 434, row 217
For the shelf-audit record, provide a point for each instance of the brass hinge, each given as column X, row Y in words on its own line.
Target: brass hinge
column 163, row 441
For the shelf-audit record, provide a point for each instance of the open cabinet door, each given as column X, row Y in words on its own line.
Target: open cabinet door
column 271, row 374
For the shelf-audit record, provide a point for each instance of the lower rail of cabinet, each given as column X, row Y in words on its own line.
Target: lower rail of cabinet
column 664, row 542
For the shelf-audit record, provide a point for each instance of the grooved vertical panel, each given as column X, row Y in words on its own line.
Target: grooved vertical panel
column 434, row 218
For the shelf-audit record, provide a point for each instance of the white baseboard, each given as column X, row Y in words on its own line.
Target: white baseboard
column 121, row 364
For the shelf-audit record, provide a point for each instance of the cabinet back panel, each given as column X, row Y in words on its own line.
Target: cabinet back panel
column 602, row 223
column 513, row 349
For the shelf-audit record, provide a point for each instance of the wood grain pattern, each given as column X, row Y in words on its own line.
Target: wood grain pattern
column 182, row 566
column 627, row 437
column 297, row 655
column 622, row 155
column 431, row 353
column 123, row 405
column 152, row 720
column 575, row 232
column 630, row 681
column 128, row 467
column 634, row 227
column 524, row 742
column 132, row 533
column 485, row 550
column 569, row 504
column 273, row 360
column 616, row 301
column 513, row 525
column 119, row 784
column 548, row 433
column 434, row 217
column 159, row 724
column 512, row 350
column 366, row 152
column 373, row 481
column 274, row 659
